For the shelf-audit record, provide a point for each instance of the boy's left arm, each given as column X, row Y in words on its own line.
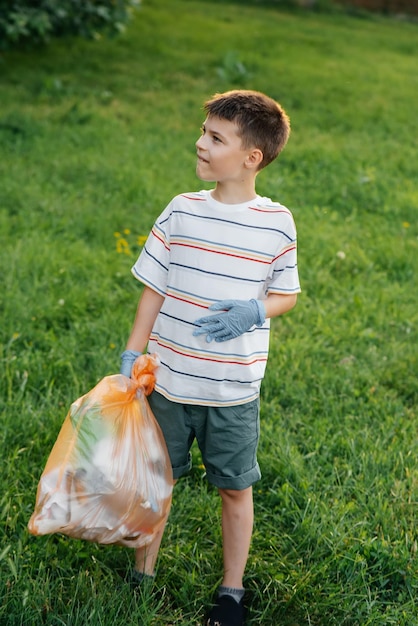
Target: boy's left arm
column 276, row 303
column 238, row 316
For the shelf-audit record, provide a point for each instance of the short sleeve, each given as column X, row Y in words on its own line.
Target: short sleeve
column 283, row 275
column 152, row 265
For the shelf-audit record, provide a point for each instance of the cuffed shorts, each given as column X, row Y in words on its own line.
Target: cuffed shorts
column 227, row 438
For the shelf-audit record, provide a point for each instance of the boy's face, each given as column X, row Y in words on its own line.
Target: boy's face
column 220, row 155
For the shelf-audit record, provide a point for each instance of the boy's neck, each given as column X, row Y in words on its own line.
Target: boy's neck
column 234, row 194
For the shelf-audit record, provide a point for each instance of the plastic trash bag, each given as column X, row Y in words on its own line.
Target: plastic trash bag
column 108, row 478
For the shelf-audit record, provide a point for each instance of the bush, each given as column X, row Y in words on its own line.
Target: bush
column 35, row 21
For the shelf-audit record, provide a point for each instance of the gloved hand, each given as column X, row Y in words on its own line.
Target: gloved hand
column 128, row 359
column 236, row 318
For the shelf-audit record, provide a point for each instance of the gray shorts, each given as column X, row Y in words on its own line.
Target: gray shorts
column 227, row 438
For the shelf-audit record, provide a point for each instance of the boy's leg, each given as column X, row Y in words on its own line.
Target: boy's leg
column 171, row 417
column 237, row 528
column 146, row 556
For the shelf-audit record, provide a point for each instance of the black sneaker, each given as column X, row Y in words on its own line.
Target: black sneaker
column 227, row 612
column 139, row 581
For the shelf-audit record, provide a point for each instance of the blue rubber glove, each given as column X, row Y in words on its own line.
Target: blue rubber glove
column 128, row 359
column 236, row 318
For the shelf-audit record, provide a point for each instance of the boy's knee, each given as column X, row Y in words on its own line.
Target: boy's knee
column 235, row 494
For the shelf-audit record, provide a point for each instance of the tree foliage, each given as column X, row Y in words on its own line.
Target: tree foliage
column 36, row 21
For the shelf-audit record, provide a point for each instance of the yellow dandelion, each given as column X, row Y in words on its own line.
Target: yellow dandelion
column 122, row 246
column 141, row 240
column 127, row 231
column 117, row 234
column 406, row 224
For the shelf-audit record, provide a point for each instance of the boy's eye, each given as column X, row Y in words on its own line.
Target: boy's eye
column 215, row 138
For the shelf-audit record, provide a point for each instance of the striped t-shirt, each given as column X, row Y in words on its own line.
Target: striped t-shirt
column 198, row 252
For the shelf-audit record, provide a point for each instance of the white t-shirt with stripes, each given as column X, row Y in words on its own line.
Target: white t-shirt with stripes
column 201, row 251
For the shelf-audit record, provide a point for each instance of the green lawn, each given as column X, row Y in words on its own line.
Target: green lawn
column 95, row 139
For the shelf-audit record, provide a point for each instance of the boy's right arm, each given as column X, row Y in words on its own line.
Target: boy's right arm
column 148, row 308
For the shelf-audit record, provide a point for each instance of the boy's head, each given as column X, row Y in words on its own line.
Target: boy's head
column 262, row 123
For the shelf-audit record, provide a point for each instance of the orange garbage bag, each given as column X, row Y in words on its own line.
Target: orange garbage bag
column 108, row 478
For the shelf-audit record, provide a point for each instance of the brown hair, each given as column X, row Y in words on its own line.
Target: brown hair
column 261, row 121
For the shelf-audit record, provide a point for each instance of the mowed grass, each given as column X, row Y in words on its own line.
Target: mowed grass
column 95, row 139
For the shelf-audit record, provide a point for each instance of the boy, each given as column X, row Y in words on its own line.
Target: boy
column 232, row 252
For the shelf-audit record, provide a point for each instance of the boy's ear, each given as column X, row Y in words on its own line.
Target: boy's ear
column 254, row 158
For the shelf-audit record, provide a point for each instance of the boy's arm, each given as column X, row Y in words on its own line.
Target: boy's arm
column 276, row 303
column 235, row 317
column 149, row 306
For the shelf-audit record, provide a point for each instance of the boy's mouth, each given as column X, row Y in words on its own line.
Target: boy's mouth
column 201, row 159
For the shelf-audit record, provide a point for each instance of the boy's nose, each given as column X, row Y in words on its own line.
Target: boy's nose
column 199, row 142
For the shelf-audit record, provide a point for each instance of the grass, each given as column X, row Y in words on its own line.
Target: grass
column 96, row 137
